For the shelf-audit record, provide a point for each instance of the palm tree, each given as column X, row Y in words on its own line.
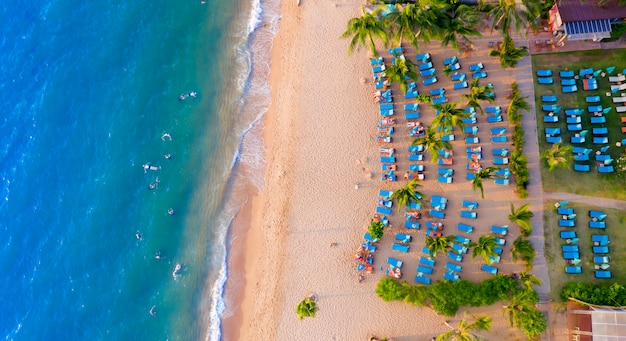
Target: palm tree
column 521, row 303
column 459, row 24
column 363, row 30
column 507, row 12
column 438, row 244
column 407, row 194
column 306, row 308
column 401, row 70
column 376, row 230
column 524, row 251
column 479, row 93
column 486, row 248
column 509, row 54
column 463, row 332
column 415, row 294
column 517, row 103
column 558, row 156
column 432, row 142
column 403, row 22
column 521, row 217
column 518, row 162
column 528, row 280
column 483, row 174
column 448, row 116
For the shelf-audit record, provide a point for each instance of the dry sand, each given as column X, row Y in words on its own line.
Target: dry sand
column 320, row 140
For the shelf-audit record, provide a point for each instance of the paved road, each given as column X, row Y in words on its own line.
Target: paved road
column 583, row 199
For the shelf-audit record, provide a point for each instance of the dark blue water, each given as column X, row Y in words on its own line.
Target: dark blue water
column 89, row 88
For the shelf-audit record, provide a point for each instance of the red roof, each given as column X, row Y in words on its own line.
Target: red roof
column 576, row 10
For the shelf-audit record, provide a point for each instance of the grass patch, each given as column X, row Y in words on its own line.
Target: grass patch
column 617, row 30
column 616, row 230
column 566, row 180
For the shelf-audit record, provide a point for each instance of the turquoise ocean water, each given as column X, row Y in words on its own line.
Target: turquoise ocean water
column 89, row 89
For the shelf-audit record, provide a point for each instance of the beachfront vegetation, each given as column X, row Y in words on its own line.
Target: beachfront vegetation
column 432, row 142
column 508, row 53
column 558, row 156
column 376, row 230
column 523, row 250
column 464, row 330
column 610, row 295
column 505, row 13
column 519, row 162
column 438, row 244
column 528, row 280
column 486, row 248
column 306, row 308
column 406, row 22
column 400, row 71
column 459, row 24
column 482, row 174
column 521, row 216
column 407, row 194
column 363, row 31
column 448, row 117
column 479, row 93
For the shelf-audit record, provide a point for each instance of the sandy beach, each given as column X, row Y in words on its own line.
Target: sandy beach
column 322, row 183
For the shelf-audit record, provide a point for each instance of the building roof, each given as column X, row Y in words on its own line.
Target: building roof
column 576, row 10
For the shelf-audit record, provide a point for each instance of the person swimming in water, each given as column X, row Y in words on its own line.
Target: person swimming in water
column 138, row 236
column 166, row 136
column 168, row 156
column 192, row 94
column 153, row 310
column 157, row 255
column 170, row 211
column 176, row 270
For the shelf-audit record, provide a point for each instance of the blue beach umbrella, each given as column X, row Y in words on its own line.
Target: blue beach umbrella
column 610, row 69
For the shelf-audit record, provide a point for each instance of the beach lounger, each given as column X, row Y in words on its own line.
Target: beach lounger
column 426, row 250
column 437, row 92
column 396, row 50
column 416, row 157
column 544, row 73
column 600, row 239
column 601, row 259
column 499, row 230
column 394, row 262
column 567, row 223
column 403, row 238
column 455, row 256
column 550, row 119
column 369, row 247
column 602, row 157
column 568, row 234
column 594, row 108
column 427, row 261
column 462, row 240
column 376, row 61
column 445, row 171
column 450, row 276
column 437, row 214
column 549, row 107
column 592, row 99
column 498, row 139
column 565, row 210
column 501, row 161
column 411, row 107
column 545, row 80
column 494, row 118
column 600, row 140
column 617, row 79
column 500, row 152
column 412, row 115
column 423, row 57
column 468, row 214
column 471, row 205
column 581, row 168
column 412, row 225
column 600, row 249
column 449, row 137
column 470, row 130
column 438, row 201
column 489, row 269
column 422, row 279
column 603, row 274
column 416, row 168
column 439, row 100
column 571, row 269
column 388, row 159
column 567, row 74
column 424, row 269
column 503, row 172
column 569, row 81
column 501, row 181
column 458, row 77
column 620, row 99
column 444, row 179
column 476, row 67
column 576, row 140
column 597, row 224
column 597, row 119
column 552, row 131
column 620, row 109
column 454, row 267
column 548, row 98
column 600, row 131
column 384, row 210
column 570, row 248
column 428, row 73
column 369, row 238
column 574, row 127
column 460, row 85
column 425, row 66
column 454, row 67
column 500, row 241
column 431, row 80
column 553, row 139
column 493, row 110
column 400, row 247
column 411, row 94
column 472, row 140
column 451, row 60
column 574, row 112
column 571, row 255
column 570, row 89
column 497, row 131
column 414, row 205
column 481, row 74
column 459, row 248
column 465, row 228
column 597, row 214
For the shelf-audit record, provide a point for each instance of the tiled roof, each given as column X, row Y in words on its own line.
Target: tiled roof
column 576, row 10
